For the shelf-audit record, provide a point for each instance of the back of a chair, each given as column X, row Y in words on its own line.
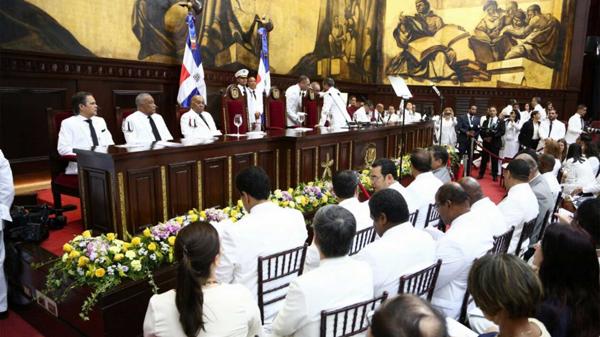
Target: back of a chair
column 412, row 218
column 433, row 215
column 557, row 204
column 361, row 239
column 350, row 320
column 311, row 107
column 525, row 234
column 547, row 217
column 502, row 241
column 179, row 111
column 275, row 113
column 55, row 119
column 277, row 270
column 422, row 282
column 122, row 113
column 233, row 103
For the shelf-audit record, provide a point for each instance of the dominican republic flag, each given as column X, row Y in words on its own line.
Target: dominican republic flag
column 191, row 80
column 263, row 78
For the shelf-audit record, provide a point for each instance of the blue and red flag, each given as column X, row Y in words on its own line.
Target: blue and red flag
column 191, row 80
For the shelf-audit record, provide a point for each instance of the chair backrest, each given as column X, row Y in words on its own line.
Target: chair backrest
column 362, row 238
column 311, row 107
column 179, row 111
column 422, row 282
column 502, row 241
column 412, row 217
column 55, row 119
column 547, row 217
column 232, row 103
column 276, row 270
column 350, row 320
column 525, row 233
column 275, row 112
column 557, row 204
column 122, row 113
column 433, row 215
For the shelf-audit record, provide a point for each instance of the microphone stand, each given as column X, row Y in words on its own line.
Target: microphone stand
column 402, row 131
column 435, row 89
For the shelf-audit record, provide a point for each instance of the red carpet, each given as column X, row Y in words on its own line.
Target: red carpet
column 74, row 223
column 491, row 189
column 15, row 326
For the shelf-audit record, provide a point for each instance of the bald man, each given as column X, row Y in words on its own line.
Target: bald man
column 145, row 125
column 483, row 206
column 197, row 123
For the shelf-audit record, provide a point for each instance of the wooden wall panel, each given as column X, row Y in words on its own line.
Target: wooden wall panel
column 215, row 181
column 268, row 161
column 308, row 164
column 100, row 212
column 144, row 191
column 183, row 190
column 344, row 156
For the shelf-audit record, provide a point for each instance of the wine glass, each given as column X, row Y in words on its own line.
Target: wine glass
column 237, row 121
column 301, row 118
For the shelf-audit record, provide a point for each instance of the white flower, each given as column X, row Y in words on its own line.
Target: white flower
column 153, row 257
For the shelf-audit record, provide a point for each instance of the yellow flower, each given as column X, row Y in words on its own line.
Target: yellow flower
column 136, row 241
column 285, row 204
column 292, row 204
column 203, row 215
column 136, row 265
column 100, row 272
column 240, row 204
column 234, row 213
column 65, row 257
column 193, row 217
column 126, row 246
column 82, row 261
column 325, row 198
column 304, row 201
column 78, row 238
column 365, row 172
column 147, row 232
column 152, row 246
column 110, row 236
column 87, row 234
column 179, row 219
column 315, row 203
column 67, row 248
column 190, row 212
column 171, row 240
column 114, row 249
column 290, row 190
column 119, row 257
column 74, row 254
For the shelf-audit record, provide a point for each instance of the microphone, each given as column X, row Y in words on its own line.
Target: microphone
column 435, row 89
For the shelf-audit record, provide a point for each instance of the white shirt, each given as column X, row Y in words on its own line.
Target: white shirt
column 75, row 134
column 594, row 163
column 592, row 188
column 268, row 229
column 536, row 131
column 519, row 206
column 392, row 118
column 412, row 201
column 228, row 310
column 467, row 239
column 7, row 189
column 243, row 89
column 137, row 130
column 360, row 115
column 485, row 209
column 425, row 186
column 293, row 104
column 558, row 130
column 334, row 105
column 507, row 110
column 194, row 126
column 338, row 282
column 255, row 104
column 411, row 116
column 574, row 128
column 542, row 111
column 448, row 130
column 401, row 250
column 578, row 174
column 557, row 167
column 552, row 183
column 525, row 116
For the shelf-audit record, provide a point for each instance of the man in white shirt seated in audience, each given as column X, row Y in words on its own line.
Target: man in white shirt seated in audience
column 468, row 238
column 552, row 128
column 546, row 164
column 82, row 131
column 293, row 100
column 384, row 174
column 401, row 249
column 266, row 229
column 338, row 282
column 425, row 184
column 145, row 125
column 410, row 116
column 576, row 125
column 198, row 123
column 483, row 206
column 439, row 163
column 520, row 204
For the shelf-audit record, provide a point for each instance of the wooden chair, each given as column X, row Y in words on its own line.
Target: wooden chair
column 422, row 282
column 361, row 239
column 433, row 215
column 525, row 234
column 557, row 204
column 121, row 114
column 547, row 217
column 350, row 320
column 462, row 318
column 275, row 113
column 60, row 182
column 179, row 111
column 232, row 103
column 412, row 217
column 502, row 241
column 311, row 105
column 277, row 269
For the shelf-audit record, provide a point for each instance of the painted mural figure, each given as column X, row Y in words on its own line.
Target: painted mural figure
column 351, row 16
column 336, row 38
column 487, row 42
column 493, row 21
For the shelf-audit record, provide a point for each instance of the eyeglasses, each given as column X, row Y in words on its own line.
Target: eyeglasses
column 376, row 177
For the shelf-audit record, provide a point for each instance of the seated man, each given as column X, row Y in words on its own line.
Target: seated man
column 520, row 204
column 483, row 206
column 362, row 114
column 439, row 163
column 467, row 239
column 546, row 165
column 392, row 116
column 266, row 230
column 384, row 174
column 83, row 130
column 401, row 250
column 145, row 125
column 338, row 282
column 198, row 123
column 425, row 184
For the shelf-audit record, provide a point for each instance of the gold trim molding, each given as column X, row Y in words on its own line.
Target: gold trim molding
column 121, row 183
column 199, row 171
column 230, row 178
column 163, row 185
column 82, row 197
column 277, row 168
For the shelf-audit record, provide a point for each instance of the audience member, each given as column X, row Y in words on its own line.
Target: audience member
column 529, row 136
column 407, row 315
column 7, row 195
column 520, row 204
column 439, row 163
column 467, row 129
column 546, row 164
column 345, row 187
column 586, row 217
column 492, row 130
column 425, row 184
column 338, row 282
column 145, row 125
column 508, row 292
column 410, row 115
column 467, row 239
column 576, row 125
column 483, row 206
column 577, row 171
column 197, row 123
column 448, row 128
column 401, row 249
column 552, row 128
column 536, row 103
column 201, row 306
column 568, row 269
column 512, row 128
column 391, row 116
column 265, row 230
column 552, row 148
column 590, row 150
column 384, row 174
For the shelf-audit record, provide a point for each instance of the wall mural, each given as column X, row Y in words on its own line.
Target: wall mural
column 451, row 42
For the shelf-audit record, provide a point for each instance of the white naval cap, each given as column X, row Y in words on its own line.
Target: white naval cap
column 242, row 73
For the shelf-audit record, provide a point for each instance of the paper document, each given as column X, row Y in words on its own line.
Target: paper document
column 400, row 87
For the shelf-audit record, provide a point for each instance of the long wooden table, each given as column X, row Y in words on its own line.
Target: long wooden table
column 124, row 189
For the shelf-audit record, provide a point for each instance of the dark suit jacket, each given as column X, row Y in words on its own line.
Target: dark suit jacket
column 525, row 135
column 462, row 126
column 495, row 131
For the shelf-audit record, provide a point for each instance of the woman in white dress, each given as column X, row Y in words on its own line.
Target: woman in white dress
column 448, row 130
column 577, row 171
column 200, row 306
column 511, row 136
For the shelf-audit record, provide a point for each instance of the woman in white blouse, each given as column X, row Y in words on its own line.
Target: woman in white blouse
column 200, row 306
column 448, row 124
column 511, row 136
column 577, row 171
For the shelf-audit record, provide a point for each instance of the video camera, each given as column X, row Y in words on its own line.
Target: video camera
column 31, row 223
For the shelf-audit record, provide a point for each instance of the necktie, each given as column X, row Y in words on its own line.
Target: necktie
column 253, row 94
column 470, row 120
column 92, row 132
column 204, row 120
column 550, row 129
column 154, row 128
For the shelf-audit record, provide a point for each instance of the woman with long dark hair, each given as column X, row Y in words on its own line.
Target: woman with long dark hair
column 577, row 171
column 200, row 306
column 569, row 271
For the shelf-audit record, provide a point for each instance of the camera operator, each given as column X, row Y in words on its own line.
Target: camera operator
column 7, row 194
column 492, row 130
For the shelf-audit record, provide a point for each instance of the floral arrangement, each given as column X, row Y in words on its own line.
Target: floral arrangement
column 306, row 198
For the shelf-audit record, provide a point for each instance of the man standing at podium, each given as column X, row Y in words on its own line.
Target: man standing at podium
column 293, row 100
column 145, row 125
column 334, row 108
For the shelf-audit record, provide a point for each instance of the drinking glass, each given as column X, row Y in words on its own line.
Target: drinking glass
column 301, row 118
column 237, row 121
